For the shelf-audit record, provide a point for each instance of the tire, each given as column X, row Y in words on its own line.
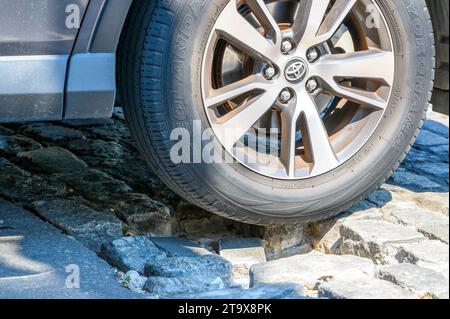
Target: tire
column 160, row 54
column 440, row 11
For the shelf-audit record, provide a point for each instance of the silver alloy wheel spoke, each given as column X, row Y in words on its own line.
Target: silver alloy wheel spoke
column 236, row 123
column 236, row 89
column 259, row 9
column 234, row 28
column 324, row 157
column 308, row 20
column 289, row 119
column 313, row 25
column 370, row 64
column 334, row 19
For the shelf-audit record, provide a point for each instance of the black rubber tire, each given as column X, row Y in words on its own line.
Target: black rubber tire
column 440, row 18
column 160, row 57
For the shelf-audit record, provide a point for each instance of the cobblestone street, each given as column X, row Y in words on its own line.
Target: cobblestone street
column 87, row 180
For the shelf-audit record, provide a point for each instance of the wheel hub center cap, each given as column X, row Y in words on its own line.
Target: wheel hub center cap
column 295, row 70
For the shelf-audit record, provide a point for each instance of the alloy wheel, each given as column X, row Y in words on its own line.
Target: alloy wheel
column 293, row 89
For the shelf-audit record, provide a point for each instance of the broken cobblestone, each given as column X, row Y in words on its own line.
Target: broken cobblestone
column 242, row 253
column 374, row 239
column 432, row 225
column 143, row 215
column 425, row 283
column 432, row 254
column 211, row 266
column 131, row 253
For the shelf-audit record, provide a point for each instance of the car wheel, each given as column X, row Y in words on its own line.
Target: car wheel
column 310, row 105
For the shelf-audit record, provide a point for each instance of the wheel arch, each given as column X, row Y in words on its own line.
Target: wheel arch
column 102, row 26
column 91, row 74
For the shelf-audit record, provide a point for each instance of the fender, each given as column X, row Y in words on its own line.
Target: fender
column 91, row 76
column 49, row 72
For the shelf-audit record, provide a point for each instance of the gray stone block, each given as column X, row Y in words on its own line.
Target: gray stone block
column 432, row 254
column 90, row 227
column 310, row 269
column 131, row 253
column 52, row 133
column 179, row 247
column 372, row 239
column 208, row 265
column 423, row 282
column 182, row 285
column 266, row 292
column 427, row 139
column 363, row 289
column 11, row 145
column 243, row 251
column 414, row 181
column 38, row 262
column 52, row 160
column 432, row 225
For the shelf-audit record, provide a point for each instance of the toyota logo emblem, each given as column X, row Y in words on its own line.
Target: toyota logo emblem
column 295, row 71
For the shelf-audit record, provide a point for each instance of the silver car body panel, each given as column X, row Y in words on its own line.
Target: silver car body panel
column 52, row 71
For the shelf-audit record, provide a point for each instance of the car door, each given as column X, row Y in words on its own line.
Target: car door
column 36, row 41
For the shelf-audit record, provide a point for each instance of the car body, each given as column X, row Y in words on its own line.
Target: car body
column 50, row 69
column 52, row 72
column 345, row 85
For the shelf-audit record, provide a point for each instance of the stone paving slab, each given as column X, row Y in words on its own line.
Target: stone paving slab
column 374, row 239
column 248, row 251
column 311, row 269
column 131, row 253
column 167, row 286
column 211, row 266
column 425, row 283
column 363, row 289
column 432, row 254
column 436, row 202
column 414, row 181
column 52, row 160
column 432, row 225
column 179, row 247
column 36, row 261
column 92, row 228
column 276, row 291
column 11, row 145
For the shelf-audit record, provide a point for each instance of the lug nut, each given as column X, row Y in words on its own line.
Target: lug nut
column 312, row 85
column 285, row 96
column 269, row 72
column 286, row 46
column 312, row 55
